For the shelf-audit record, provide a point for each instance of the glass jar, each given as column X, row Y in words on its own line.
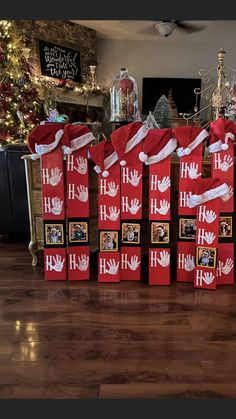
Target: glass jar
column 124, row 98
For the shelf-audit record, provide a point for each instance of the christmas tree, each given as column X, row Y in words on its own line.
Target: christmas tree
column 162, row 112
column 20, row 107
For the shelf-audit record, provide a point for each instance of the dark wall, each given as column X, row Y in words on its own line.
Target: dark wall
column 14, row 219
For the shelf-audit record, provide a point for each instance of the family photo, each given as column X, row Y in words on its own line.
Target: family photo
column 206, row 257
column 78, row 232
column 160, row 232
column 108, row 241
column 131, row 233
column 225, row 227
column 187, row 228
column 54, row 234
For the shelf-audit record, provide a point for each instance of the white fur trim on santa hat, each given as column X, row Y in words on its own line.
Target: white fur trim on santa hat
column 79, row 142
column 217, row 192
column 136, row 139
column 164, row 153
column 47, row 148
column 108, row 162
column 181, row 151
column 97, row 169
column 219, row 145
column 67, row 150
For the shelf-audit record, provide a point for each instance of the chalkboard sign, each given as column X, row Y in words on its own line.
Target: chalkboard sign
column 59, row 62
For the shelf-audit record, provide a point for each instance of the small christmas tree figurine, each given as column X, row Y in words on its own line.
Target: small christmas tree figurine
column 20, row 107
column 162, row 112
column 150, row 122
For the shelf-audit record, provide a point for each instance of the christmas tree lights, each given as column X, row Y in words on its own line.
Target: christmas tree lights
column 20, row 106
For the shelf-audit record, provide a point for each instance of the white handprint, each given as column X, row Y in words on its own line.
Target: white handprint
column 226, row 163
column 165, row 259
column 193, row 171
column 113, row 267
column 134, row 178
column 112, row 189
column 210, row 216
column 164, row 207
column 83, row 193
column 58, row 263
column 228, row 195
column 82, row 165
column 83, row 262
column 209, row 237
column 208, row 278
column 56, row 206
column 133, row 209
column 164, row 184
column 134, row 263
column 228, row 266
column 114, row 213
column 189, row 264
column 56, row 175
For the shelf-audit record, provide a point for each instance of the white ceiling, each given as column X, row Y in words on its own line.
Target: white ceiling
column 143, row 30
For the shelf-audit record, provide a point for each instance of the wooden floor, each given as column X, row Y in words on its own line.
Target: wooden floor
column 127, row 340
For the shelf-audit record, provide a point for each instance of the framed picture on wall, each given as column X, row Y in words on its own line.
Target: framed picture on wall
column 59, row 62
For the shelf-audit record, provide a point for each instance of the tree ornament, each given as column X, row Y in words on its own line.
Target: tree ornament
column 126, row 85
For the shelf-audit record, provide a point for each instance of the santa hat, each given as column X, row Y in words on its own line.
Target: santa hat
column 125, row 138
column 205, row 190
column 157, row 145
column 104, row 155
column 188, row 137
column 44, row 138
column 76, row 137
column 221, row 131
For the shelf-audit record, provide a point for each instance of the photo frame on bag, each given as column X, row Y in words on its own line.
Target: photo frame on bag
column 206, row 256
column 130, row 233
column 225, row 226
column 109, row 241
column 187, row 228
column 78, row 232
column 54, row 234
column 160, row 232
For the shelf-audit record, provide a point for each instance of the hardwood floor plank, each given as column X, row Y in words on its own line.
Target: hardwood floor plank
column 168, row 391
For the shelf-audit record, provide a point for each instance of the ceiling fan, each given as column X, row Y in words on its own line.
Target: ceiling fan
column 167, row 27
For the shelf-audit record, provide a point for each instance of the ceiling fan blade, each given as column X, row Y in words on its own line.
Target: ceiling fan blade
column 148, row 30
column 189, row 27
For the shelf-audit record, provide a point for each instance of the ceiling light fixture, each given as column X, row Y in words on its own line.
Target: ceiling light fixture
column 165, row 28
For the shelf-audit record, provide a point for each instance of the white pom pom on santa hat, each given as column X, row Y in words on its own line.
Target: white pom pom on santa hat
column 122, row 162
column 67, row 150
column 187, row 151
column 224, row 146
column 105, row 173
column 143, row 157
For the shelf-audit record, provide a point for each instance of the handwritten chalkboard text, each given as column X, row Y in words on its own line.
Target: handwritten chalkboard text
column 59, row 62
